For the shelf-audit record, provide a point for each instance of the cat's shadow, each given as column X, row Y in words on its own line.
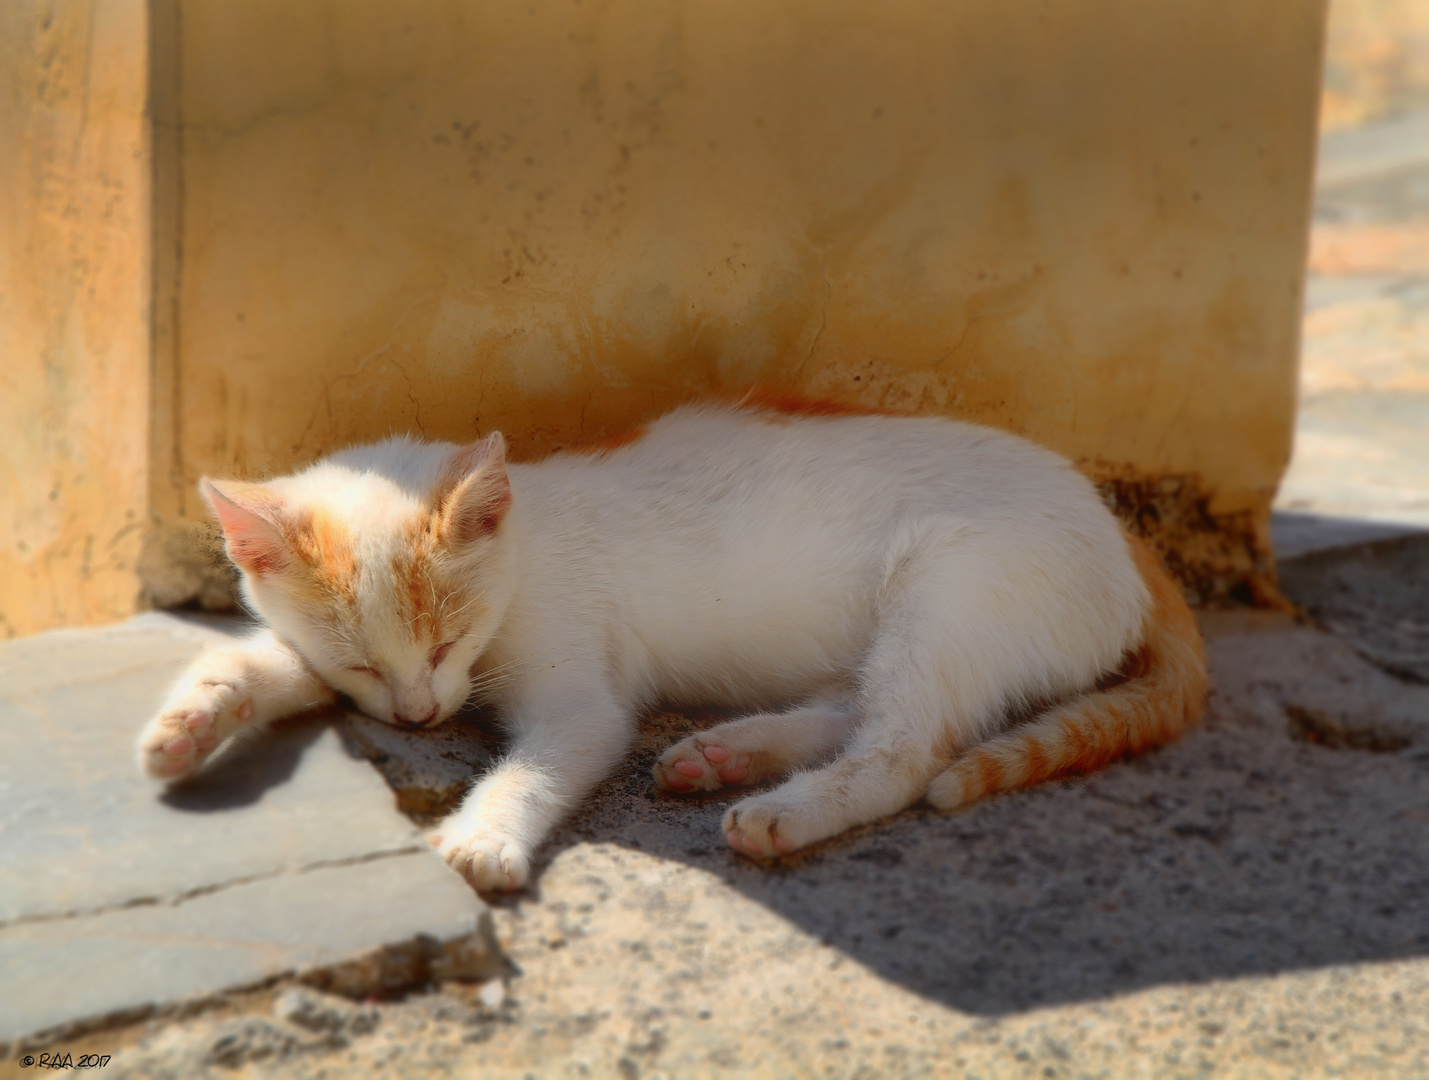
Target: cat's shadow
column 1238, row 852
column 242, row 773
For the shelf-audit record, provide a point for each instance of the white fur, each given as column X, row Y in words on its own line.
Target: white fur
column 904, row 581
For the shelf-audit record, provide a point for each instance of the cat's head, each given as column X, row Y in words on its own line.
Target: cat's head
column 387, row 566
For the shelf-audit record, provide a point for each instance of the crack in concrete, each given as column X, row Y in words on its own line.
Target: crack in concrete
column 176, row 899
column 362, row 362
column 823, row 316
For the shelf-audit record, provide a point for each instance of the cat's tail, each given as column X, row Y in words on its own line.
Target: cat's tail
column 1161, row 694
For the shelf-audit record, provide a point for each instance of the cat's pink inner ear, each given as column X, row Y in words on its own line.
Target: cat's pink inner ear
column 474, row 493
column 254, row 542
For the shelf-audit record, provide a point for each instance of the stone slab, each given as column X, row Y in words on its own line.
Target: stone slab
column 57, row 971
column 84, row 831
column 116, row 893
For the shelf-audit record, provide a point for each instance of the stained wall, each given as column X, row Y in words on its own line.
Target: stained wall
column 1083, row 222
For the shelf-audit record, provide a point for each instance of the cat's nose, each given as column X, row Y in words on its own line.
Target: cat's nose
column 409, row 722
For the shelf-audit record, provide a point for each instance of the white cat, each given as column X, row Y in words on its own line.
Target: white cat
column 910, row 585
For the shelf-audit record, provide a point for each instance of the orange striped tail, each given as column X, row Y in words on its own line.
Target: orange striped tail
column 1163, row 692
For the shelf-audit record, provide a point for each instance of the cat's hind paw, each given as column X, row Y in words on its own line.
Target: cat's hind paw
column 490, row 863
column 179, row 740
column 693, row 765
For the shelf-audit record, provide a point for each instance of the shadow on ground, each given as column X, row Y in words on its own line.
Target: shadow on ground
column 1244, row 850
column 1240, row 851
column 248, row 770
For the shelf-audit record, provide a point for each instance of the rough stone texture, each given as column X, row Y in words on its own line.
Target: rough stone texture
column 429, row 772
column 63, row 971
column 1374, row 595
column 286, row 855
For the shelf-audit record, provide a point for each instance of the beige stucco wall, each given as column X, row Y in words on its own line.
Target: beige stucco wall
column 74, row 311
column 1083, row 222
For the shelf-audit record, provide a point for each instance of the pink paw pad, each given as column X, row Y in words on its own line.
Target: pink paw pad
column 693, row 769
column 741, row 841
column 177, row 746
column 716, row 755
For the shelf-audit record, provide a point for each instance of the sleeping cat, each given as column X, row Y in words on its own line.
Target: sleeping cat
column 898, row 591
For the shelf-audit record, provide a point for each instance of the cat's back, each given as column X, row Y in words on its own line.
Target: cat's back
column 747, row 537
column 714, row 459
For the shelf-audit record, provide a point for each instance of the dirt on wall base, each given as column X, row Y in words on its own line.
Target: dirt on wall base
column 183, row 564
column 1221, row 559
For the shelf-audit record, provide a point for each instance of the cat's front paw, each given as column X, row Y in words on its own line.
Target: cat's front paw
column 177, row 741
column 490, row 862
column 694, row 765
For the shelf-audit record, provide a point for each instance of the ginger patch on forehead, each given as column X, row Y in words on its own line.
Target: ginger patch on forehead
column 324, row 545
column 415, row 592
column 418, row 581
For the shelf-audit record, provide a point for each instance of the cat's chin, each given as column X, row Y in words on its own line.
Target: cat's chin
column 351, row 704
column 440, row 720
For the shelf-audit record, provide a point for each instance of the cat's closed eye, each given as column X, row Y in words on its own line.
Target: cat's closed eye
column 365, row 671
column 440, row 653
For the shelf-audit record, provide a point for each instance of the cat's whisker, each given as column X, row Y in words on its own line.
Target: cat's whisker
column 497, row 676
column 451, row 617
column 335, row 652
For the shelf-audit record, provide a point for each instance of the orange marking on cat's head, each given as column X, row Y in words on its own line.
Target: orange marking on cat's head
column 414, row 574
column 324, row 545
column 417, row 591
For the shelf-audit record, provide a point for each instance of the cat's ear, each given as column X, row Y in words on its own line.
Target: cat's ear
column 249, row 516
column 474, row 493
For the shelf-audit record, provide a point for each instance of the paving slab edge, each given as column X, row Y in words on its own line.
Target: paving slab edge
column 387, row 971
